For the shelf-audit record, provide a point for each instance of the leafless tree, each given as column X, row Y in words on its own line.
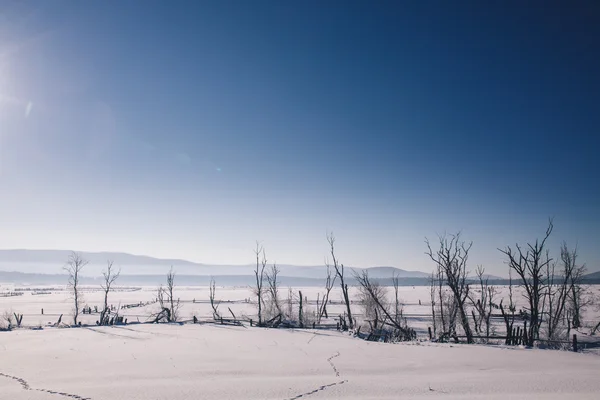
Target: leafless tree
column 483, row 304
column 169, row 305
column 329, row 283
column 290, row 303
column 530, row 265
column 165, row 312
column 213, row 302
column 259, row 273
column 110, row 276
column 559, row 294
column 273, row 290
column 509, row 317
column 452, row 257
column 339, row 271
column 370, row 296
column 75, row 264
column 375, row 295
column 398, row 306
column 6, row 323
column 433, row 293
column 443, row 306
column 578, row 297
column 173, row 304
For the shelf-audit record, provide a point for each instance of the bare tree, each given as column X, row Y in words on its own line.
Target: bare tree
column 443, row 307
column 329, row 283
column 559, row 294
column 375, row 295
column 432, row 293
column 439, row 283
column 290, row 303
column 165, row 312
column 530, row 265
column 398, row 306
column 75, row 264
column 578, row 298
column 370, row 296
column 213, row 303
column 110, row 276
column 482, row 304
column 259, row 273
column 273, row 290
column 169, row 306
column 6, row 323
column 173, row 304
column 339, row 271
column 509, row 317
column 452, row 257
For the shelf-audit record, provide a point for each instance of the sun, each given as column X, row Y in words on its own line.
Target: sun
column 3, row 83
column 9, row 101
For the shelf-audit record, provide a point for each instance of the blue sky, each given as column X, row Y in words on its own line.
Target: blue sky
column 193, row 129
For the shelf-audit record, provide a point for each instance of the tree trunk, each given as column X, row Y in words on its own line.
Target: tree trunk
column 300, row 315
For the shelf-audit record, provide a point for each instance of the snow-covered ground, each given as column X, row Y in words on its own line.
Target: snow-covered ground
column 200, row 361
column 221, row 362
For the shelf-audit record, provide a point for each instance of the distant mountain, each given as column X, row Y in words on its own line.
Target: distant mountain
column 594, row 276
column 61, row 256
column 52, row 262
column 390, row 272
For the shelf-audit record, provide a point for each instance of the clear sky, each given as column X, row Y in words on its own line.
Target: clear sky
column 191, row 129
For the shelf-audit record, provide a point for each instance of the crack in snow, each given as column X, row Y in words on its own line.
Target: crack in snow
column 323, row 387
column 104, row 332
column 25, row 385
column 337, row 354
column 320, row 388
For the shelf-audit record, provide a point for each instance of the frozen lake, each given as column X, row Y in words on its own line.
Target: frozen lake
column 195, row 302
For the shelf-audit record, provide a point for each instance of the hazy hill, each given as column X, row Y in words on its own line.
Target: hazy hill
column 594, row 276
column 52, row 262
column 60, row 256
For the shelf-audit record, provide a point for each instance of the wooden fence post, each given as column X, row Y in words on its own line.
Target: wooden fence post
column 300, row 316
column 429, row 330
column 574, row 342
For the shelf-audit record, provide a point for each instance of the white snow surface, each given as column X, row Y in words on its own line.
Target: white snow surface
column 176, row 362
